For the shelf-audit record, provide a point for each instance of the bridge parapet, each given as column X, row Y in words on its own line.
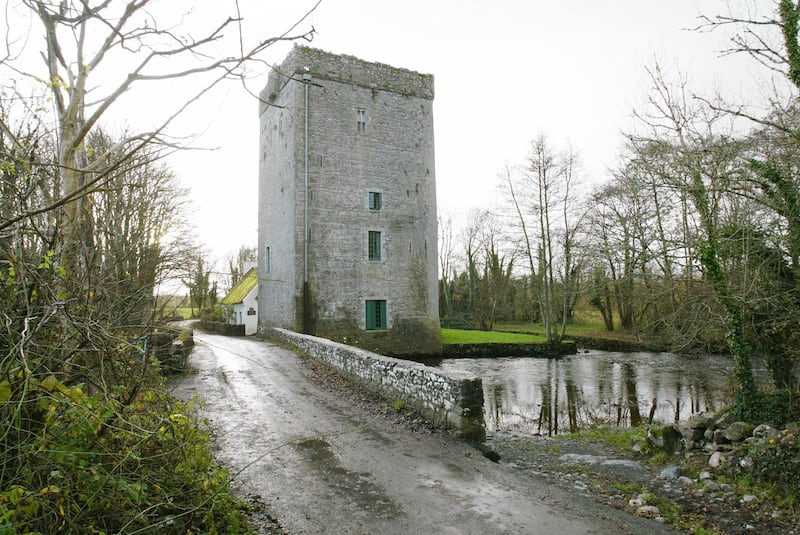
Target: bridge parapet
column 450, row 399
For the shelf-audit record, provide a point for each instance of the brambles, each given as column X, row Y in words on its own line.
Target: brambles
column 94, row 466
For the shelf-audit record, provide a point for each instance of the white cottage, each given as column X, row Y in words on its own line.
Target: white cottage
column 240, row 306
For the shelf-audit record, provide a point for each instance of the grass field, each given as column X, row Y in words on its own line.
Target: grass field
column 587, row 323
column 573, row 329
column 185, row 313
column 458, row 336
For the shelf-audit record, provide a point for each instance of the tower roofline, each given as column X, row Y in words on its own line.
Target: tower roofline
column 350, row 70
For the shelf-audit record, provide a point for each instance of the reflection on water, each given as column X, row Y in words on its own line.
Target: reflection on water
column 549, row 396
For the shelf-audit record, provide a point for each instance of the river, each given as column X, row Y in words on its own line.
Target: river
column 551, row 396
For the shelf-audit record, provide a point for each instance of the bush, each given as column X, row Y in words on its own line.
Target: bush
column 775, row 408
column 96, row 466
column 778, row 462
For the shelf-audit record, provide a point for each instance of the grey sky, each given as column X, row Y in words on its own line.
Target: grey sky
column 505, row 71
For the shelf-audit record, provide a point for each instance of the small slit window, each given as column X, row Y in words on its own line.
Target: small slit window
column 361, row 120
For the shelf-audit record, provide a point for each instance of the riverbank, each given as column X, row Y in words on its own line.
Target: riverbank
column 621, row 479
column 612, row 475
column 465, row 343
column 590, row 336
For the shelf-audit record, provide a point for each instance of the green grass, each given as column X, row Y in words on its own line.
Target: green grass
column 573, row 329
column 185, row 313
column 586, row 323
column 458, row 336
column 619, row 438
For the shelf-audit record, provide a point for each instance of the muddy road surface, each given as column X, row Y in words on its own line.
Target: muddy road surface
column 324, row 465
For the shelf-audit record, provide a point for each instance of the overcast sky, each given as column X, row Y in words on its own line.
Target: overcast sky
column 505, row 71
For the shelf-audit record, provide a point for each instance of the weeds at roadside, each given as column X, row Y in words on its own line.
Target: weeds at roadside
column 96, row 467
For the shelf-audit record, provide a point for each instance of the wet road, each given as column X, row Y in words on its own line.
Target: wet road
column 323, row 466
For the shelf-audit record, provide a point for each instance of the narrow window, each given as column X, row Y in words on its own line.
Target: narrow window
column 266, row 260
column 375, row 201
column 374, row 245
column 376, row 315
column 361, row 119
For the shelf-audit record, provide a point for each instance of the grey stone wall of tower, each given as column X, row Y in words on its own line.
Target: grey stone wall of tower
column 347, row 151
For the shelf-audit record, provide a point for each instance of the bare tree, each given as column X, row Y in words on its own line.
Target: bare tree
column 447, row 267
column 698, row 143
column 80, row 39
column 90, row 223
column 542, row 198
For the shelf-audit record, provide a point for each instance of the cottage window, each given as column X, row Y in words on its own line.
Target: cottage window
column 376, row 315
column 361, row 119
column 375, row 200
column 374, row 246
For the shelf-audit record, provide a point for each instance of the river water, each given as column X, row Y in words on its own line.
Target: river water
column 551, row 396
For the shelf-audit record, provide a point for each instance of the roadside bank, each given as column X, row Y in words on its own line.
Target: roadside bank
column 609, row 475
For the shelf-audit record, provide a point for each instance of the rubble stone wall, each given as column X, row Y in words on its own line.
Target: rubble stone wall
column 450, row 399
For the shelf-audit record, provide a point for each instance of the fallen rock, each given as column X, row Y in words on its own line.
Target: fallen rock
column 716, row 459
column 701, row 420
column 668, row 437
column 738, row 431
column 719, row 437
column 767, row 432
column 671, row 472
column 636, row 502
column 692, row 434
column 724, row 420
column 648, row 511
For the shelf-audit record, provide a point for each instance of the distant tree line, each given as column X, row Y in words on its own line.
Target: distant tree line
column 694, row 241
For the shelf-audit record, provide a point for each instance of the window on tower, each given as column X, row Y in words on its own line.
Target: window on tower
column 361, row 119
column 375, row 200
column 374, row 245
column 376, row 315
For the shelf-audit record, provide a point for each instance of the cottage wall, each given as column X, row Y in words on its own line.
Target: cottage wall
column 247, row 312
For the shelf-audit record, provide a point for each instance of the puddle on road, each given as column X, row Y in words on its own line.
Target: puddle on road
column 357, row 486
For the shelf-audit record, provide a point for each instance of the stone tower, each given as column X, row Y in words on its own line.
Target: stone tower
column 347, row 223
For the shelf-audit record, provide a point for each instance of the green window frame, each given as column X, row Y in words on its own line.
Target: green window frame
column 374, row 245
column 375, row 200
column 376, row 315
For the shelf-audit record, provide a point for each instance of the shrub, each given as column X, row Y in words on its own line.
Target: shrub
column 775, row 408
column 95, row 466
column 777, row 462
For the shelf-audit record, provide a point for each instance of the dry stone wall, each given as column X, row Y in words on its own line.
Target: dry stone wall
column 453, row 400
